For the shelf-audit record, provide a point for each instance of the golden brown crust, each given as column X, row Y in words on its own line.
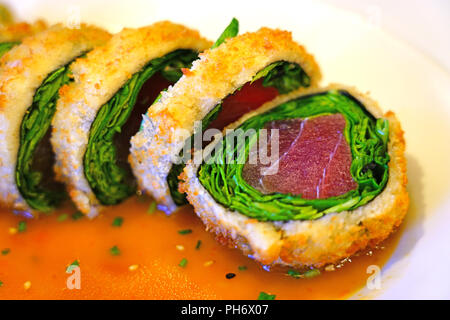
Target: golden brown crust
column 96, row 79
column 23, row 68
column 218, row 73
column 221, row 71
column 18, row 31
column 318, row 242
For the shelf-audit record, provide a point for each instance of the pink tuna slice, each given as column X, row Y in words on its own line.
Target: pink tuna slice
column 314, row 159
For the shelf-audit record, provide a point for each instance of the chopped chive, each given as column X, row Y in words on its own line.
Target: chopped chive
column 71, row 266
column 151, row 209
column 266, row 296
column 294, row 273
column 198, row 245
column 6, row 251
column 230, row 275
column 62, row 217
column 114, row 251
column 307, row 274
column 183, row 263
column 185, row 231
column 311, row 273
column 117, row 222
column 22, row 226
column 1, row 283
column 242, row 268
column 77, row 215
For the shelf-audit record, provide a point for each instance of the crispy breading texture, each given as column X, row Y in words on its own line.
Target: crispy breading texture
column 22, row 70
column 218, row 73
column 313, row 242
column 97, row 77
column 18, row 31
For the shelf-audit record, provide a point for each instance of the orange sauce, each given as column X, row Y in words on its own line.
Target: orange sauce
column 151, row 241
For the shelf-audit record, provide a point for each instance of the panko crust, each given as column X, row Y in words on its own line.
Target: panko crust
column 97, row 77
column 22, row 70
column 319, row 242
column 218, row 73
column 18, row 31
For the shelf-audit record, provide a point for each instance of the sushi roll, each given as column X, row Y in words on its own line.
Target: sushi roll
column 12, row 34
column 31, row 74
column 228, row 81
column 336, row 186
column 103, row 107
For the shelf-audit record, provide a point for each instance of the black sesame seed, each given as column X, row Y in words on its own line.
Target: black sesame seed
column 230, row 275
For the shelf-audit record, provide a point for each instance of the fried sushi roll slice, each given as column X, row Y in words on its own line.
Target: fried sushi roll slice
column 336, row 185
column 100, row 111
column 226, row 82
column 31, row 75
column 12, row 34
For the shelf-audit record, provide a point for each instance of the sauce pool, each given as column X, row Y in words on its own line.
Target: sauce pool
column 35, row 265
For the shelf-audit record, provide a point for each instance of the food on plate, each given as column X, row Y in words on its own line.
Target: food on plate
column 31, row 75
column 102, row 108
column 337, row 184
column 235, row 77
column 291, row 173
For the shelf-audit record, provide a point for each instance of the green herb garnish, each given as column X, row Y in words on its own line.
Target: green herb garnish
column 117, row 222
column 307, row 274
column 266, row 296
column 70, row 267
column 183, row 263
column 242, row 268
column 185, row 231
column 6, row 251
column 37, row 187
column 230, row 31
column 198, row 245
column 282, row 75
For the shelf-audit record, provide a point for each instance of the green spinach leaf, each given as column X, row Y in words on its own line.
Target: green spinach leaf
column 230, row 31
column 109, row 180
column 367, row 138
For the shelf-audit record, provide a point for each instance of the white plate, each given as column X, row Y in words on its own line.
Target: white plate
column 351, row 50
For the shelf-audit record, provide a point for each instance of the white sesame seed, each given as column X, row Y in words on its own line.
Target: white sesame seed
column 133, row 267
column 27, row 285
